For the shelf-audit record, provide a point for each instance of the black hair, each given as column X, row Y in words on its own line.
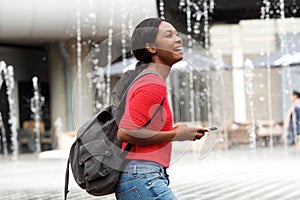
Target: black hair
column 145, row 32
column 296, row 93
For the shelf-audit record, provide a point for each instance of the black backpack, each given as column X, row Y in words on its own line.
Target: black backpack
column 95, row 156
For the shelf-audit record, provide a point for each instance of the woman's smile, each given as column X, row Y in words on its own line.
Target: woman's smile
column 179, row 50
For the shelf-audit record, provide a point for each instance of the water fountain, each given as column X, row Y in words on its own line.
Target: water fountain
column 2, row 128
column 197, row 11
column 284, row 50
column 248, row 73
column 161, row 9
column 10, row 83
column 269, row 88
column 36, row 103
column 78, row 50
column 3, row 137
column 109, row 54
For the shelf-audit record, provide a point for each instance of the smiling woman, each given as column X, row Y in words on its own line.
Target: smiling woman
column 147, row 122
column 167, row 48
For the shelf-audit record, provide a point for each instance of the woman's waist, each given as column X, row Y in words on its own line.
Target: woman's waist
column 159, row 147
column 142, row 166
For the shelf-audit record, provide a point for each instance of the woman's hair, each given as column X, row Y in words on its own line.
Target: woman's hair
column 145, row 32
column 296, row 93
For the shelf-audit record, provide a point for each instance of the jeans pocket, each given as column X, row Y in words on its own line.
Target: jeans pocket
column 128, row 194
column 158, row 185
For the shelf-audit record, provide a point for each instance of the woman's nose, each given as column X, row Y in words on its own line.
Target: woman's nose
column 179, row 40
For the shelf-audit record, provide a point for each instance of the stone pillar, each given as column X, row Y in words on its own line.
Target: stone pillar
column 238, row 84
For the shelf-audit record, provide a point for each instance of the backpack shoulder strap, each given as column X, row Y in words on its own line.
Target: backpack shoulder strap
column 140, row 75
column 66, row 191
column 119, row 108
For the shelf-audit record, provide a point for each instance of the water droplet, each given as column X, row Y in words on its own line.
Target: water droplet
column 95, row 61
column 261, row 85
column 92, row 15
column 262, row 99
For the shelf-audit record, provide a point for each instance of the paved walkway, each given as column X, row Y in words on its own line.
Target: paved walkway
column 224, row 175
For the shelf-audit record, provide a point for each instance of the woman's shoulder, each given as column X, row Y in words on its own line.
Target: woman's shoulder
column 149, row 86
column 152, row 80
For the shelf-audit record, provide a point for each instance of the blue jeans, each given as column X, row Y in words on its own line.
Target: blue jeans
column 145, row 181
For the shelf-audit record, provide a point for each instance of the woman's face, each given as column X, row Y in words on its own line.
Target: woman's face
column 168, row 45
column 294, row 98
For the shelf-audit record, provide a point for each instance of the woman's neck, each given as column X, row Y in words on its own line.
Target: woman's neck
column 162, row 70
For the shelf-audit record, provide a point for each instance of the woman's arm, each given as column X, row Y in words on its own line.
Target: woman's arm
column 297, row 112
column 144, row 136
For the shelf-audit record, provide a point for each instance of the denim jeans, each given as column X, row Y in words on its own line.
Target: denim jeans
column 145, row 181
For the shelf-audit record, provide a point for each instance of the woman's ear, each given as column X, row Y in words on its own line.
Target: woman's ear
column 151, row 48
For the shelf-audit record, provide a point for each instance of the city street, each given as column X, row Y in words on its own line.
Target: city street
column 233, row 174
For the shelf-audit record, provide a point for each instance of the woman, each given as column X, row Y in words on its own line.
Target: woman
column 157, row 47
column 293, row 120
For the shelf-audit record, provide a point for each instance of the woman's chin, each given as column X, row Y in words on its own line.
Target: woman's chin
column 180, row 57
column 177, row 60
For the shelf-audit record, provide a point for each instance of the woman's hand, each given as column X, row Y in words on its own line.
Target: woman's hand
column 184, row 132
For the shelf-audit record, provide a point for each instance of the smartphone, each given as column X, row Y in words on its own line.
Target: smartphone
column 211, row 129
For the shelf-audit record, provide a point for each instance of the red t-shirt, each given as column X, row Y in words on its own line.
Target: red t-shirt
column 143, row 99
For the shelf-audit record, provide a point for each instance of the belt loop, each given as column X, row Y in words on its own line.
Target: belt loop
column 165, row 171
column 134, row 170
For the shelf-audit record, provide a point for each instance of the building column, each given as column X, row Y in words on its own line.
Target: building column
column 238, row 83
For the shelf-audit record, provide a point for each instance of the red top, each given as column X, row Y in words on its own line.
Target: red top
column 143, row 99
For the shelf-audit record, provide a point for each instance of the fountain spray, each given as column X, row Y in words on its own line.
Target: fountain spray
column 265, row 15
column 78, row 49
column 36, row 103
column 10, row 83
column 249, row 75
column 3, row 136
column 3, row 132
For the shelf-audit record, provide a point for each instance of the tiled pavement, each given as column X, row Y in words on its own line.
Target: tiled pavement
column 224, row 175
